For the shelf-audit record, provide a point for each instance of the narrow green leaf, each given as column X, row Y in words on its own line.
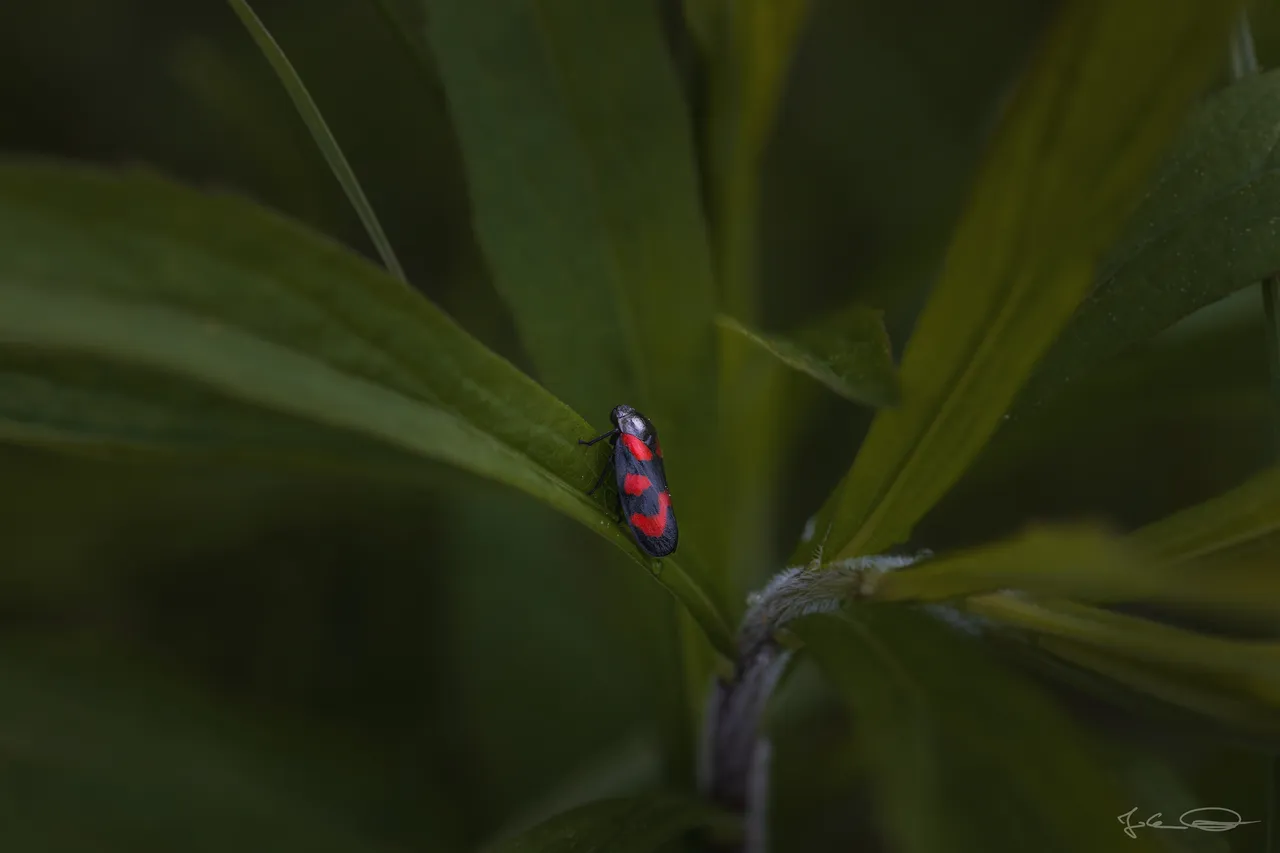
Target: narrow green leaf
column 1206, row 376
column 1061, row 174
column 584, row 195
column 1243, row 514
column 1089, row 564
column 748, row 46
column 1206, row 229
column 702, row 18
column 1177, row 695
column 407, row 19
column 144, row 279
column 636, row 825
column 963, row 755
column 585, row 199
column 1249, row 667
column 66, row 402
column 1161, row 696
column 1067, row 560
column 320, row 132
column 746, row 49
column 233, row 363
column 850, row 354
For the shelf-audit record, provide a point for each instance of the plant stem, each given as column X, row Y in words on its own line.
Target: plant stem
column 735, row 774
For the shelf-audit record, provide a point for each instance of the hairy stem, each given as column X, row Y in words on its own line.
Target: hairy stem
column 735, row 763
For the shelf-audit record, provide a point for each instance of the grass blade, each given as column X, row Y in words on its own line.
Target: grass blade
column 324, row 138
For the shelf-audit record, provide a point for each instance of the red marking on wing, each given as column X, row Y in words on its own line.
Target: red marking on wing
column 637, row 447
column 653, row 525
column 635, row 484
column 657, row 448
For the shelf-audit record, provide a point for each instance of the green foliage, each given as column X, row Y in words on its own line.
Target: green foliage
column 580, row 165
column 1065, row 167
column 747, row 48
column 948, row 733
column 584, row 196
column 849, row 354
column 1205, row 229
column 1230, row 682
column 1243, row 515
column 1090, row 564
column 302, row 531
column 153, row 279
column 315, row 122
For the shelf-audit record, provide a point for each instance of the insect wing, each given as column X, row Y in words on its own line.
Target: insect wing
column 644, row 497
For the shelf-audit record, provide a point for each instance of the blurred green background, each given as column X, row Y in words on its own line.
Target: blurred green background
column 198, row 656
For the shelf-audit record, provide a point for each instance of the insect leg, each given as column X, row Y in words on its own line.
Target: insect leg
column 608, row 434
column 600, row 479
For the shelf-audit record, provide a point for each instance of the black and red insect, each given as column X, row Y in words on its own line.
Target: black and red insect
column 643, row 496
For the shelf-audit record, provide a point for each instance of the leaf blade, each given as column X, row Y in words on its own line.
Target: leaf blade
column 1248, row 512
column 159, row 279
column 1202, row 232
column 310, row 114
column 1087, row 563
column 583, row 209
column 850, row 355
column 1059, row 178
column 946, row 734
column 1246, row 667
column 585, row 201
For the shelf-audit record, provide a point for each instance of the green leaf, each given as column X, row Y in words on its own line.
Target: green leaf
column 1250, row 667
column 109, row 282
column 748, row 47
column 1206, row 229
column 849, row 354
column 1246, row 513
column 74, row 402
column 320, row 132
column 146, row 760
column 635, row 825
column 584, row 195
column 1061, row 174
column 1154, row 692
column 962, row 755
column 585, row 199
column 1066, row 560
column 1204, row 374
column 1088, row 563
